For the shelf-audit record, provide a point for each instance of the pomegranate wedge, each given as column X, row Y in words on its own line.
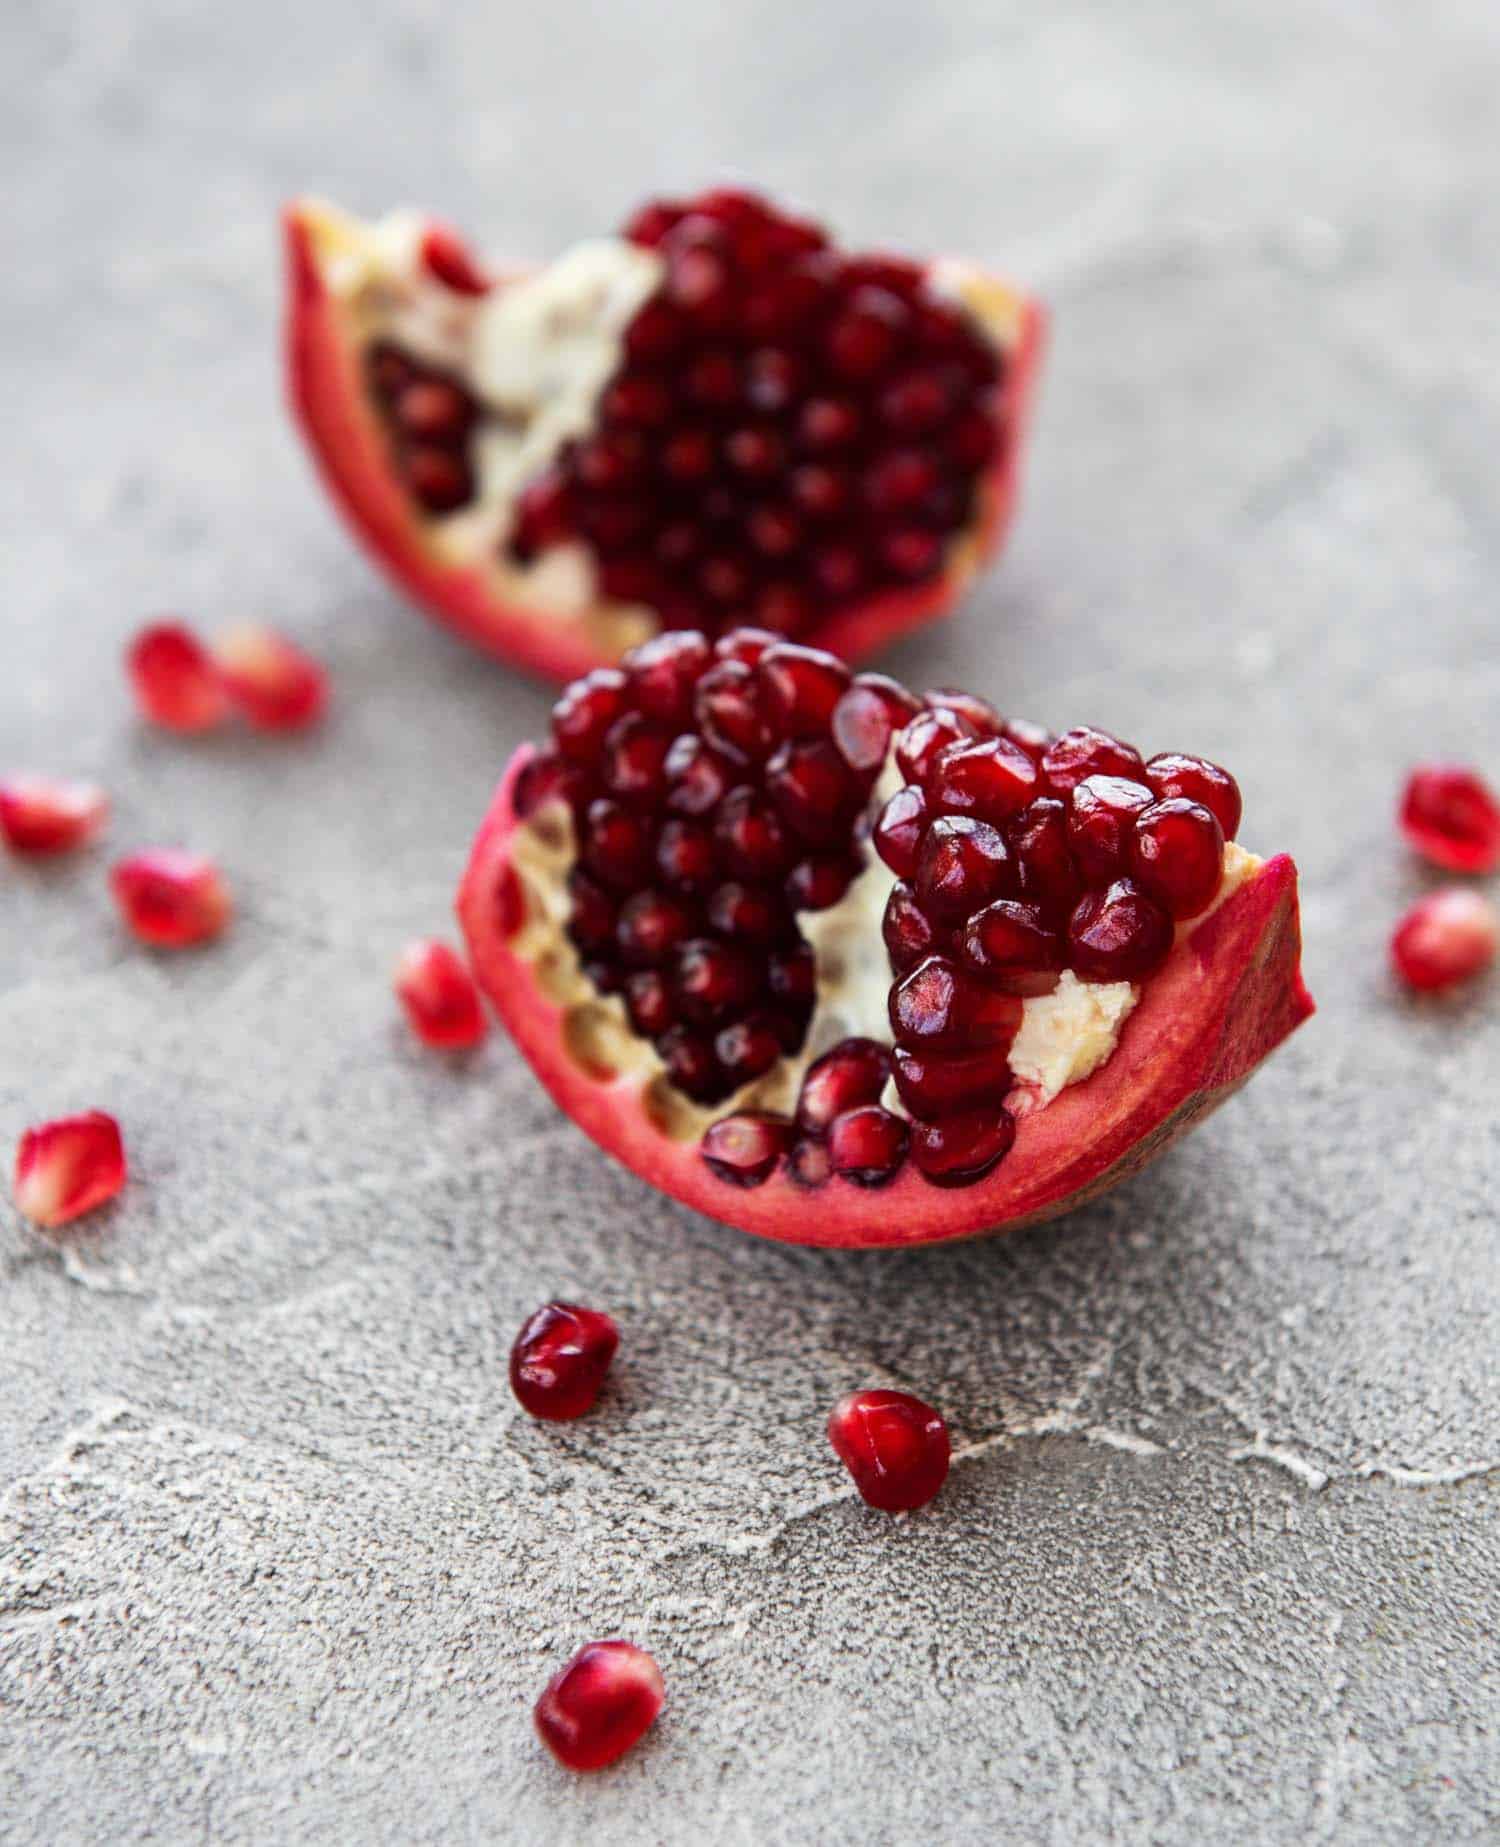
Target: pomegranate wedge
column 843, row 966
column 712, row 416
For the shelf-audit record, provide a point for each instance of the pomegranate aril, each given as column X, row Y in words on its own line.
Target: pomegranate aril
column 1035, row 740
column 775, row 532
column 899, row 829
column 895, row 1447
column 543, row 515
column 273, row 682
column 935, row 1085
column 435, row 410
column 44, row 814
column 637, row 400
column 909, row 933
column 829, row 424
column 389, row 369
column 745, row 645
column 728, row 709
column 774, row 379
column 1118, row 934
column 439, row 996
column 867, row 1145
column 691, row 1066
column 175, row 681
column 1012, row 947
column 713, row 381
column 897, row 481
column 68, row 1167
column 744, row 1148
column 712, row 981
column 546, row 778
column 438, row 478
column 1195, row 779
column 866, row 718
column 839, row 570
column 171, row 899
column 688, row 456
column 808, row 1163
column 915, row 404
column 1176, row 854
column 648, row 1001
column 910, row 551
column 600, row 1705
column 799, row 688
column 990, row 778
column 978, row 714
column 961, row 865
column 560, row 1358
column 792, row 976
column 854, row 1072
column 821, row 492
column 1449, row 815
column 747, row 1049
column 447, row 257
column 592, row 914
column 751, row 837
column 782, row 607
column 651, row 927
column 866, row 336
column 635, row 759
column 818, row 883
column 938, row 1008
column 616, row 845
column 685, row 855
column 1084, row 751
column 812, row 789
column 962, row 1148
column 1038, row 840
column 1446, row 938
column 697, row 779
column 748, row 913
column 918, row 745
column 1101, row 817
column 973, row 440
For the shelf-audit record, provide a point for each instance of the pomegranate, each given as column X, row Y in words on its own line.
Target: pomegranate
column 68, row 1167
column 439, row 997
column 714, row 416
column 1448, row 937
column 765, row 926
column 42, row 815
column 171, row 899
column 894, row 1446
column 600, row 1705
column 275, row 685
column 1450, row 816
column 174, row 678
column 560, row 1358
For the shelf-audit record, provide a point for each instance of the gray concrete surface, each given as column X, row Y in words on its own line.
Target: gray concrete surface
column 1218, row 1559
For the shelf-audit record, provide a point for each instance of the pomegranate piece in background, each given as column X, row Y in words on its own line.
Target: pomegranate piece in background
column 275, row 685
column 176, row 683
column 171, row 899
column 560, row 1358
column 440, row 998
column 894, row 1446
column 600, row 1705
column 1451, row 816
column 45, row 814
column 1448, row 937
column 68, row 1167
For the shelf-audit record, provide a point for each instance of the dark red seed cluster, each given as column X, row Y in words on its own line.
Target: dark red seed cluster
column 429, row 417
column 792, row 428
column 715, row 796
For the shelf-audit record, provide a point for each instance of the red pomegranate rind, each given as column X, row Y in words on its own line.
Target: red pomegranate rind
column 600, row 1705
column 439, row 997
column 1226, row 996
column 327, row 390
column 43, row 815
column 1451, row 817
column 1445, row 939
column 69, row 1167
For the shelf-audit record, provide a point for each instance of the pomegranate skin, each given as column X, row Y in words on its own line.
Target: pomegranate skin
column 895, row 1447
column 560, row 1358
column 600, row 1705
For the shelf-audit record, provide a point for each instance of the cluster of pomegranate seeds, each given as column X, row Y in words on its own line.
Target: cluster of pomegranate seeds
column 171, row 899
column 894, row 1446
column 43, row 815
column 1450, row 816
column 560, row 1358
column 792, row 428
column 439, row 996
column 428, row 416
column 68, row 1167
column 600, row 1705
column 1445, row 939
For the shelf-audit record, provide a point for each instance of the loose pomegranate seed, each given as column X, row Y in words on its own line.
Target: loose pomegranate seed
column 961, row 865
column 867, row 1145
column 1177, row 854
column 1118, row 934
column 745, row 1148
column 1449, row 815
column 43, row 814
column 929, row 733
column 1082, row 752
column 1445, row 938
column 447, row 257
column 852, row 1073
column 894, row 1446
column 1195, row 779
column 909, row 933
column 560, row 1358
column 1100, row 823
column 936, row 1085
column 68, row 1167
column 1011, row 946
column 174, row 678
column 600, row 1705
column 937, row 1008
column 989, row 778
column 962, row 1148
column 440, row 998
column 275, row 685
column 171, row 899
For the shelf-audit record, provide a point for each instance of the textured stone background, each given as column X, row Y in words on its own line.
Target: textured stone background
column 1218, row 1557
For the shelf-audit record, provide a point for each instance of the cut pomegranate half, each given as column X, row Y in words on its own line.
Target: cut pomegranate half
column 714, row 416
column 68, row 1167
column 999, row 1033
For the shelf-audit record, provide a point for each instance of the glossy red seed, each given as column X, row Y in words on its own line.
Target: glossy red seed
column 909, row 934
column 439, row 997
column 743, row 1149
column 691, row 1066
column 171, row 899
column 600, row 1705
column 652, row 926
column 745, row 645
column 800, row 688
column 1176, row 853
column 747, row 1049
column 938, row 1008
column 935, row 1085
column 1101, row 815
column 713, row 380
column 616, row 845
column 867, row 1145
column 1085, row 751
column 918, row 745
column 961, row 865
column 895, row 1447
column 648, row 1001
column 1448, row 937
column 753, row 452
column 748, row 913
column 713, row 981
column 751, row 837
column 899, row 829
column 821, row 491
column 774, row 378
column 1011, row 946
column 560, row 1358
column 821, row 880
column 175, row 680
column 685, row 855
column 829, row 424
column 1195, row 779
column 1118, row 934
column 989, row 778
column 792, row 975
column 854, row 1072
column 1038, row 839
column 1035, row 740
column 1450, row 816
column 688, row 455
column 543, row 516
column 439, row 479
column 961, row 1149
column 774, row 531
column 633, row 765
column 435, row 410
column 915, row 404
column 638, row 400
column 728, row 709
column 911, row 551
column 585, row 712
column 812, row 789
column 697, row 778
column 276, row 686
column 981, row 718
column 897, row 481
column 68, row 1167
column 865, row 338
column 448, row 258
column 546, row 778
column 867, row 717
column 592, row 912
column 42, row 815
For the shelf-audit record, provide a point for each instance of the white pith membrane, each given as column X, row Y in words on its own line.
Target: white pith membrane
column 536, row 353
column 1064, row 1038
